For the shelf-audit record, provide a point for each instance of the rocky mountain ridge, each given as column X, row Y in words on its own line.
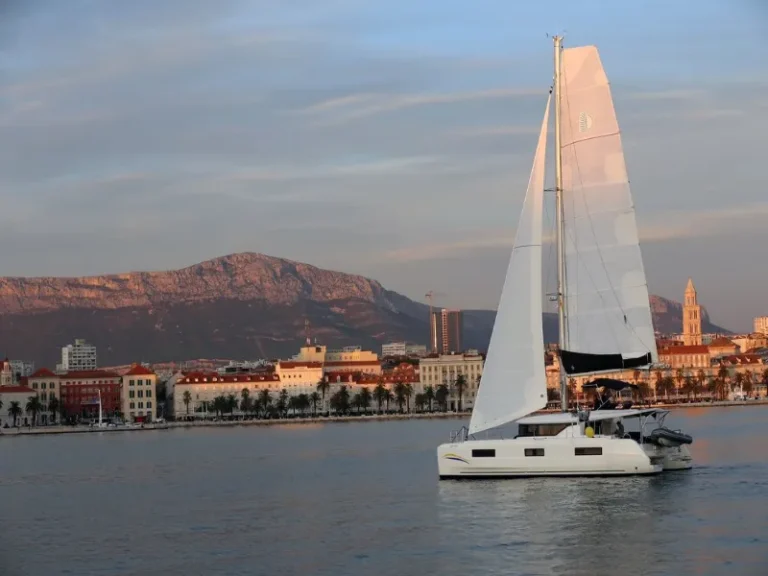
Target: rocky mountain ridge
column 244, row 305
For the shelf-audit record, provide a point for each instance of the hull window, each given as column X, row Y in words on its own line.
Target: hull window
column 483, row 453
column 591, row 451
column 534, row 451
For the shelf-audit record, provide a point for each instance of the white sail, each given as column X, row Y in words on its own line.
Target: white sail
column 607, row 306
column 514, row 382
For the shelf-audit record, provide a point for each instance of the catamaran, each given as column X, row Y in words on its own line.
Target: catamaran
column 605, row 322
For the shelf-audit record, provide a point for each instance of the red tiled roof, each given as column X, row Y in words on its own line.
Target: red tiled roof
column 215, row 378
column 294, row 364
column 354, row 363
column 43, row 373
column 15, row 389
column 736, row 359
column 721, row 342
column 89, row 374
column 139, row 370
column 680, row 350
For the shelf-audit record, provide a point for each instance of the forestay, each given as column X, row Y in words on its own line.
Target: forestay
column 514, row 382
column 607, row 306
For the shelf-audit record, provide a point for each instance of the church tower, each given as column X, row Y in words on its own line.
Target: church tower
column 691, row 317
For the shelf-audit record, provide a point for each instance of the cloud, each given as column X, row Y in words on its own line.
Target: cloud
column 670, row 227
column 487, row 131
column 357, row 106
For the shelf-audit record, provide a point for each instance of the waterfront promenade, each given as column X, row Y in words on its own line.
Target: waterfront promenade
column 26, row 431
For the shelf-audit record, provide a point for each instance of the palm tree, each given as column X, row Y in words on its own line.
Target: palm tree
column 738, row 381
column 340, row 400
column 34, row 407
column 657, row 385
column 390, row 397
column 293, row 404
column 688, row 386
column 282, row 403
column 723, row 376
column 680, row 378
column 441, row 396
column 245, row 401
column 721, row 388
column 265, row 402
column 323, row 386
column 314, row 399
column 459, row 385
column 302, row 403
column 666, row 385
column 420, row 401
column 231, row 404
column 187, row 399
column 429, row 396
column 644, row 391
column 53, row 407
column 14, row 411
column 748, row 385
column 408, row 394
column 400, row 395
column 380, row 394
column 365, row 399
column 765, row 380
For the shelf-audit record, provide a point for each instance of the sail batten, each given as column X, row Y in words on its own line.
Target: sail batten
column 513, row 383
column 606, row 292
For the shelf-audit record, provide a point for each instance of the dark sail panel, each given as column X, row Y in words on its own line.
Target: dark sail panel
column 582, row 363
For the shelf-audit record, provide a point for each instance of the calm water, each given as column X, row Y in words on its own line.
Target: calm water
column 351, row 499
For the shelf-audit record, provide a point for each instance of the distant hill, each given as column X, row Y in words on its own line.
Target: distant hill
column 238, row 306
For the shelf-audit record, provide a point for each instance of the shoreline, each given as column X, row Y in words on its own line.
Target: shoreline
column 48, row 430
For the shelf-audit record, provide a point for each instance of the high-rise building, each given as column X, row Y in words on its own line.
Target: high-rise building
column 403, row 349
column 761, row 325
column 447, row 331
column 78, row 357
column 691, row 317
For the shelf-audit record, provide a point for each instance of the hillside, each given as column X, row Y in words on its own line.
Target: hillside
column 238, row 306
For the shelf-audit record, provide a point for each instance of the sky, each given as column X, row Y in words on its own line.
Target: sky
column 388, row 138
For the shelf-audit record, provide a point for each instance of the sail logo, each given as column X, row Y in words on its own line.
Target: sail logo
column 452, row 456
column 585, row 122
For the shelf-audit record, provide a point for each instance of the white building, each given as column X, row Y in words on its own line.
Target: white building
column 403, row 349
column 436, row 370
column 77, row 357
column 761, row 325
column 22, row 368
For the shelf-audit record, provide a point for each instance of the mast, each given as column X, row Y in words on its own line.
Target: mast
column 559, row 235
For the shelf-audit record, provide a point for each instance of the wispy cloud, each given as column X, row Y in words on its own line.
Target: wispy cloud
column 670, row 227
column 677, row 94
column 357, row 106
column 489, row 131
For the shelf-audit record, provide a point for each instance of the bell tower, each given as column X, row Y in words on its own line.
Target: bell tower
column 691, row 317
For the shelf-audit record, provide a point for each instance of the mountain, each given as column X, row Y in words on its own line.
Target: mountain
column 238, row 306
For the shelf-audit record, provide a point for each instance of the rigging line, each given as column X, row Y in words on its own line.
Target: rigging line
column 591, row 223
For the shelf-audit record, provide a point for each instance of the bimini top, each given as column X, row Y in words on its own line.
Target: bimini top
column 594, row 416
column 610, row 383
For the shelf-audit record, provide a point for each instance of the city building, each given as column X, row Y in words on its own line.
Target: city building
column 403, row 349
column 139, row 394
column 447, row 331
column 193, row 394
column 438, row 369
column 348, row 359
column 761, row 325
column 722, row 346
column 20, row 395
column 691, row 316
column 748, row 342
column 46, row 385
column 686, row 356
column 6, row 373
column 78, row 357
column 79, row 393
column 21, row 369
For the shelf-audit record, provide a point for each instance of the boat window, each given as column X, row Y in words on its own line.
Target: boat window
column 541, row 429
column 591, row 451
column 483, row 453
column 534, row 451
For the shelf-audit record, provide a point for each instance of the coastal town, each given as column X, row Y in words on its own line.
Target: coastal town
column 403, row 378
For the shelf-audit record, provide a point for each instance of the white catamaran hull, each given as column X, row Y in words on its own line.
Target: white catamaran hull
column 545, row 456
column 672, row 457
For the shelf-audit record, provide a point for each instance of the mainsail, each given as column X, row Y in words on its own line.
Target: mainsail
column 608, row 313
column 514, row 382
